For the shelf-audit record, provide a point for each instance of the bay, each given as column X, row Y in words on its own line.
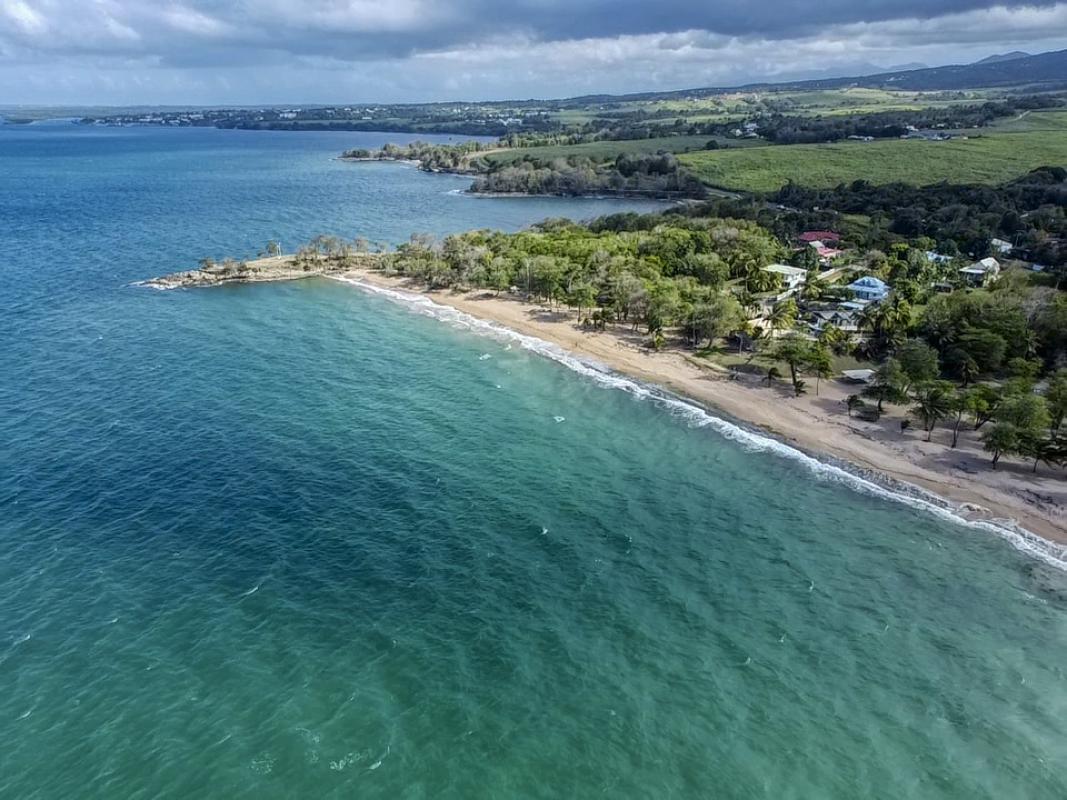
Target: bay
column 295, row 540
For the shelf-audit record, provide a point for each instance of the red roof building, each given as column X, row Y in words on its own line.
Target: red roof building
column 807, row 237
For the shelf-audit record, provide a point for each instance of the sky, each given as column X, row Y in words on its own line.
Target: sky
column 249, row 52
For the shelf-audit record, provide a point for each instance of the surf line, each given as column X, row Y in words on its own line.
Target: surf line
column 749, row 438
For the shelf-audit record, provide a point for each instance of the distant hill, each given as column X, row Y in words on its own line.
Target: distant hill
column 1045, row 70
column 997, row 57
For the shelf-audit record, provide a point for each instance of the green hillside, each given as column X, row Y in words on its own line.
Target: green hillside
column 999, row 155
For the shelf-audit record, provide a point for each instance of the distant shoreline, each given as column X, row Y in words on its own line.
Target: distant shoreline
column 681, row 197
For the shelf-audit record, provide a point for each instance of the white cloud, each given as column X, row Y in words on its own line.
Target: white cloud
column 191, row 21
column 23, row 16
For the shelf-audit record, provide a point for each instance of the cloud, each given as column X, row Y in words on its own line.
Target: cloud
column 235, row 51
column 23, row 17
column 183, row 19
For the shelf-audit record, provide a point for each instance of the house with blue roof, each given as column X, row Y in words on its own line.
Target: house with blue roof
column 870, row 289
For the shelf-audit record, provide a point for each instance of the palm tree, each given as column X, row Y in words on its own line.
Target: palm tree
column 747, row 300
column 820, row 364
column 783, row 315
column 760, row 280
column 795, row 352
column 833, row 337
column 814, row 288
column 933, row 402
column 887, row 321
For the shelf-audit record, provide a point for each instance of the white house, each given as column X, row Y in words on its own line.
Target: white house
column 792, row 277
column 1001, row 246
column 937, row 258
column 981, row 273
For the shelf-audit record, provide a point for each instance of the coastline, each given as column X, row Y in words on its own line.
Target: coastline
column 466, row 173
column 262, row 270
column 1009, row 498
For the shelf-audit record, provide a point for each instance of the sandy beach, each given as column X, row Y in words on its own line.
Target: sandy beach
column 818, row 424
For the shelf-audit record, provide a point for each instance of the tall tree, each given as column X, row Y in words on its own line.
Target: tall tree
column 887, row 384
column 795, row 352
column 918, row 361
column 933, row 402
column 581, row 295
column 820, row 363
column 784, row 315
column 1002, row 438
column 1056, row 397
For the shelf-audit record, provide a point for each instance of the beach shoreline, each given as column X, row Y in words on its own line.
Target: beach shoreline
column 817, row 425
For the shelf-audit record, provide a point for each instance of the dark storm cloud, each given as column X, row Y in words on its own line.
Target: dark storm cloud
column 299, row 50
column 774, row 19
column 215, row 32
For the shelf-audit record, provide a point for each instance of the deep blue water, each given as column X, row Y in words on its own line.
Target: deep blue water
column 298, row 540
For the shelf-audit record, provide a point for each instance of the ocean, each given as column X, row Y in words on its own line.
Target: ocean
column 310, row 540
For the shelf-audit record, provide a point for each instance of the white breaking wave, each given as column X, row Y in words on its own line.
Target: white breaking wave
column 1049, row 552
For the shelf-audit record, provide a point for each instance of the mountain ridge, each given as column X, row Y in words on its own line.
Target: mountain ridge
column 1045, row 70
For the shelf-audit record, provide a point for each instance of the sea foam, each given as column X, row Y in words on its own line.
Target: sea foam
column 750, row 439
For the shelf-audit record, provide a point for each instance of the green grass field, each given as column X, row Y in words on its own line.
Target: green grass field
column 1040, row 139
column 600, row 151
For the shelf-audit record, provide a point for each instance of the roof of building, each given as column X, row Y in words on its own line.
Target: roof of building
column 858, row 375
column 940, row 258
column 819, row 236
column 868, row 282
column 983, row 266
column 786, row 269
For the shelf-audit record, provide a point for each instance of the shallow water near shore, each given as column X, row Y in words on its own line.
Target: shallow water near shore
column 293, row 540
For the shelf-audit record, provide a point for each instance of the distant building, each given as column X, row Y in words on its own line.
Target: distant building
column 869, row 288
column 858, row 375
column 845, row 320
column 792, row 277
column 981, row 273
column 809, row 237
column 1001, row 246
column 826, row 254
column 937, row 258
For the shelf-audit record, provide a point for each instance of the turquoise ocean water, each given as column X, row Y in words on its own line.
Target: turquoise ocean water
column 303, row 540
